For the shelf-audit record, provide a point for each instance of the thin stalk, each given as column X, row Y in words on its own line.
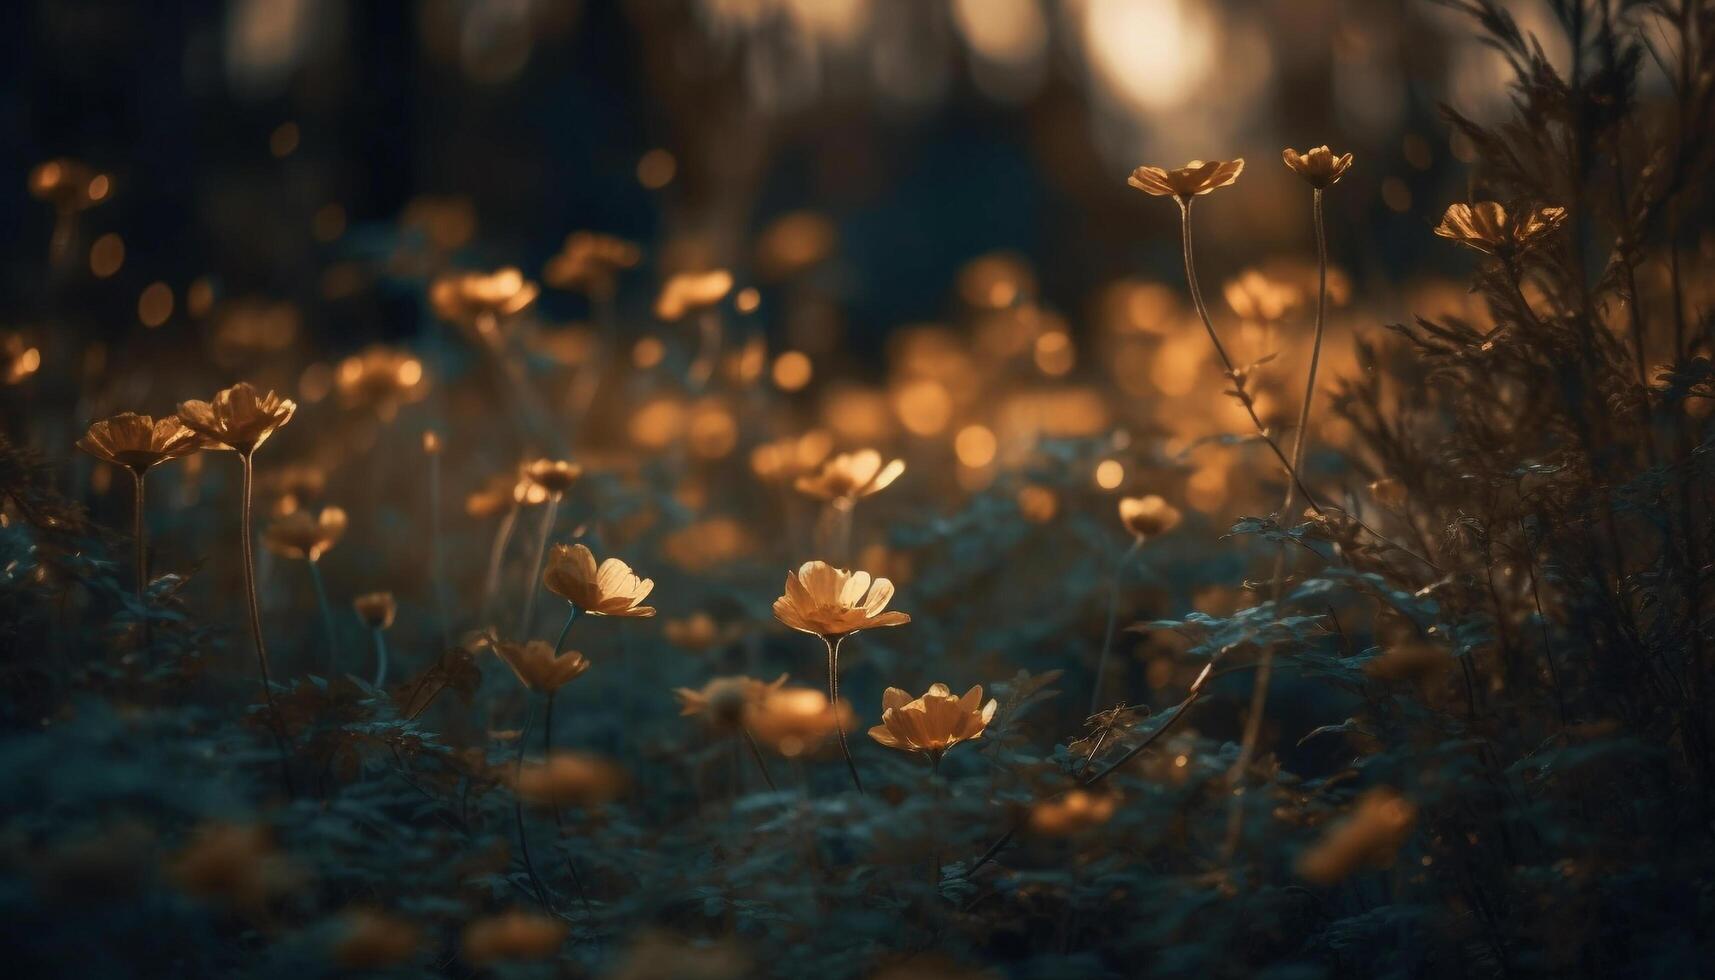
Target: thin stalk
column 843, row 512
column 1108, row 631
column 327, row 615
column 518, row 807
column 547, row 749
column 497, row 555
column 560, row 641
column 708, row 350
column 756, row 753
column 244, row 533
column 436, row 565
column 834, row 705
column 380, row 658
column 532, row 586
column 1221, row 351
column 140, row 543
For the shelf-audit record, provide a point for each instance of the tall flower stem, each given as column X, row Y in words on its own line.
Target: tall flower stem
column 1108, row 630
column 756, row 753
column 496, row 556
column 327, row 615
column 518, row 807
column 248, row 549
column 560, row 641
column 547, row 748
column 842, row 512
column 533, row 586
column 140, row 542
column 380, row 657
column 833, row 646
column 1226, row 360
column 437, row 573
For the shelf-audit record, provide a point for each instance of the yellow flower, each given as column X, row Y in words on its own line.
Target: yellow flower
column 689, row 292
column 1148, row 517
column 537, row 667
column 727, row 701
column 513, row 936
column 850, row 476
column 555, row 476
column 239, row 417
column 1193, row 179
column 138, row 442
column 933, row 723
column 589, row 262
column 613, row 589
column 794, row 720
column 1488, row 227
column 465, row 297
column 569, row 779
column 699, row 632
column 832, row 602
column 376, row 609
column 380, row 379
column 302, row 534
column 1075, row 811
column 1319, row 166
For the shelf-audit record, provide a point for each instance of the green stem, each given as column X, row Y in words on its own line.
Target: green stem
column 834, row 705
column 1108, row 631
column 140, row 543
column 560, row 641
column 248, row 549
column 327, row 616
column 534, row 586
column 518, row 808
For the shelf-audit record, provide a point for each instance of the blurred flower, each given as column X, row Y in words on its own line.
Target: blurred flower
column 566, row 779
column 795, row 719
column 304, row 535
column 1488, row 227
column 1148, row 517
column 253, row 328
column 1319, row 167
column 233, row 864
column 1193, row 179
column 380, row 379
column 850, row 476
column 590, row 262
column 997, row 281
column 18, row 359
column 933, row 723
column 1037, row 504
column 555, row 476
column 657, row 955
column 794, row 242
column 791, row 457
column 700, row 632
column 376, row 609
column 512, row 936
column 833, row 602
column 536, row 665
column 688, row 292
column 293, row 484
column 1074, row 811
column 447, row 222
column 1380, row 822
column 239, row 417
column 374, row 940
column 480, row 300
column 725, row 702
column 1256, row 297
column 69, row 185
column 611, row 590
column 707, row 544
column 1413, row 660
column 138, row 442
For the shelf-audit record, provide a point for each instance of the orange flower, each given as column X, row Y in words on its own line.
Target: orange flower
column 1192, row 180
column 689, row 292
column 536, row 665
column 555, row 476
column 234, row 864
column 513, row 936
column 1148, row 517
column 302, row 534
column 569, row 779
column 1489, row 228
column 376, row 609
column 612, row 589
column 239, row 417
column 699, row 632
column 375, row 940
column 851, row 476
column 466, row 297
column 1381, row 821
column 795, row 719
column 1075, row 811
column 727, row 701
column 933, row 723
column 832, row 602
column 1319, row 166
column 380, row 379
column 589, row 262
column 138, row 442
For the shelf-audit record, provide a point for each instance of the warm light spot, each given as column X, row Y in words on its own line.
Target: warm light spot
column 1109, row 474
column 283, row 140
column 1176, row 365
column 410, row 372
column 316, row 382
column 1037, row 504
column 155, row 305
column 975, row 446
column 658, row 423
column 1181, row 761
column 431, row 442
column 656, row 169
column 99, row 187
column 199, row 298
column 1396, row 195
column 1153, row 54
column 107, row 255
column 792, row 370
column 647, row 353
column 747, row 300
column 1008, row 32
column 713, row 431
column 924, row 407
column 1054, row 353
column 329, row 222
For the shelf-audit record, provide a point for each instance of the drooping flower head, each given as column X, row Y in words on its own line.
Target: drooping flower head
column 536, row 665
column 833, row 602
column 555, row 476
column 304, row 535
column 1319, row 167
column 1192, row 180
column 610, row 589
column 376, row 609
column 239, row 418
column 933, row 723
column 1148, row 517
column 850, row 476
column 727, row 702
column 1491, row 228
column 590, row 262
column 688, row 292
column 138, row 442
